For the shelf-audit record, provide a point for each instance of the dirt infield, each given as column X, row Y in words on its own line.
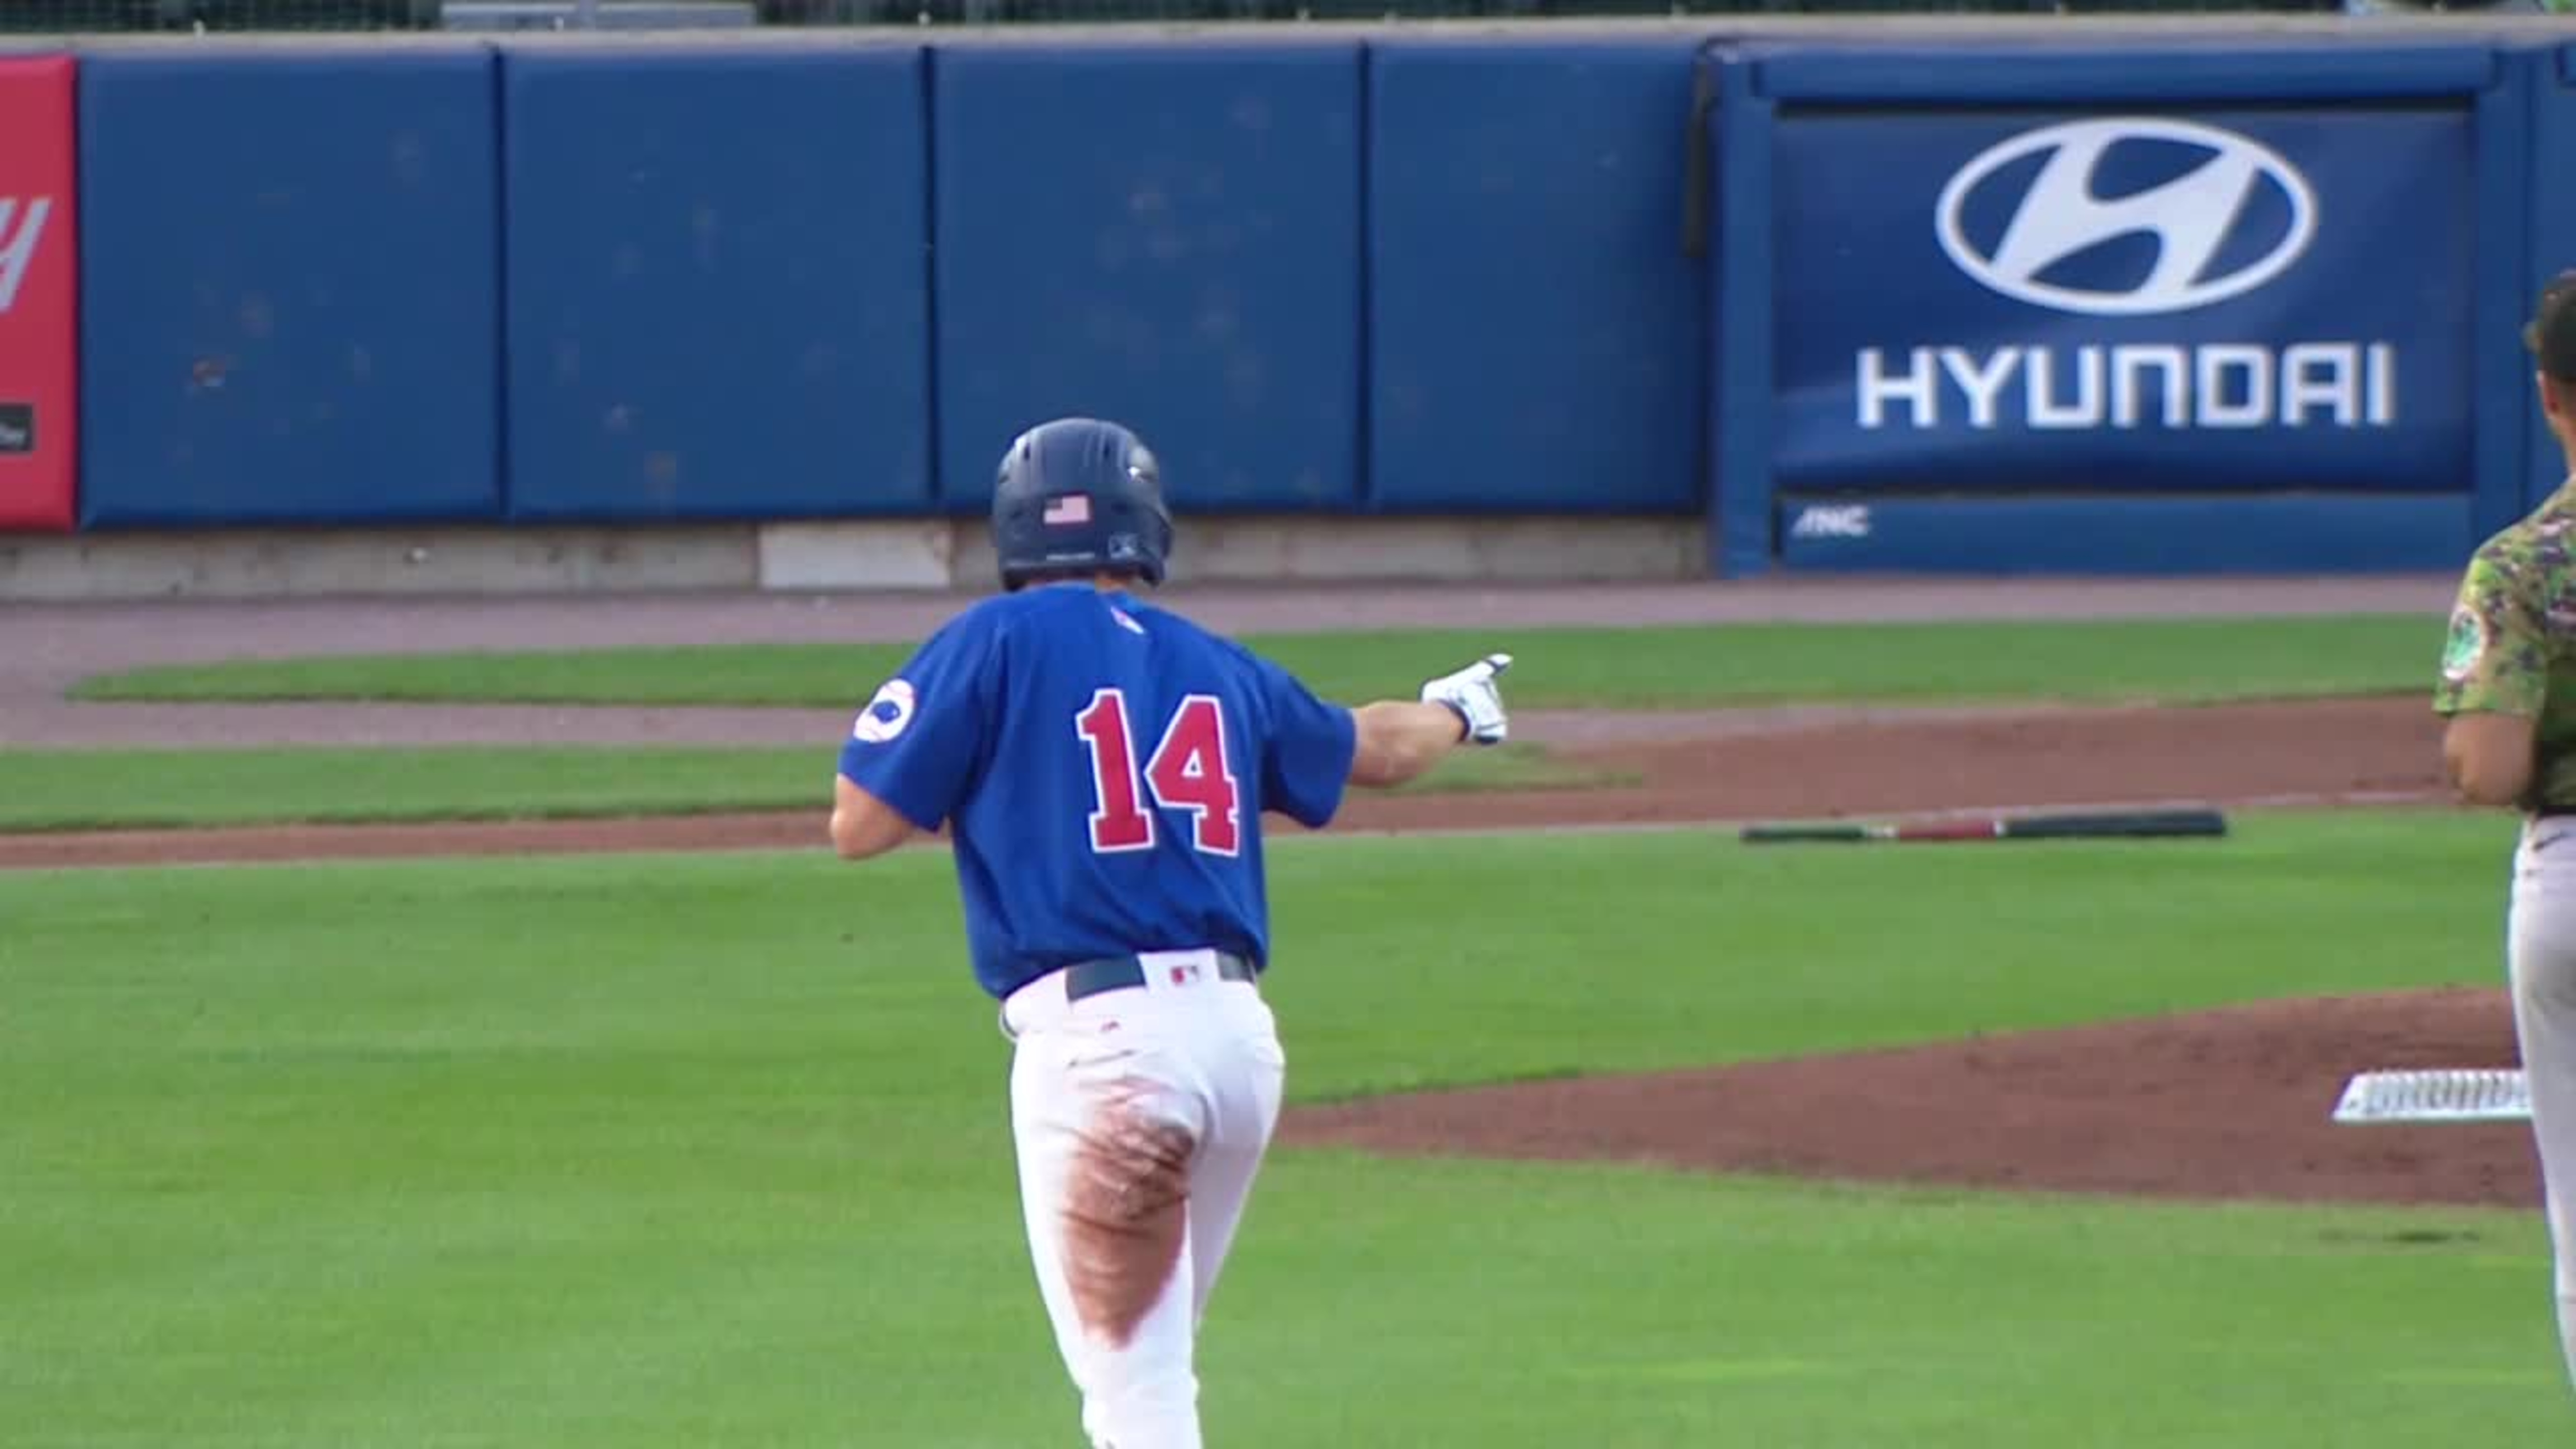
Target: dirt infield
column 2225, row 1104
column 2206, row 1105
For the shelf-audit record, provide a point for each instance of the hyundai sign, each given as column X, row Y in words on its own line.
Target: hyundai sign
column 2002, row 302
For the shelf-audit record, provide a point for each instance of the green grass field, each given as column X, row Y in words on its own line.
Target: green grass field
column 686, row 1151
column 49, row 790
column 2182, row 661
column 73, row 789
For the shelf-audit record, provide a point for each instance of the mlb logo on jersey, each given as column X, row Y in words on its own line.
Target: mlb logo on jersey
column 1070, row 511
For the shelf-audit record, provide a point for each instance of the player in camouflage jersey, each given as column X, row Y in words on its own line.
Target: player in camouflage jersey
column 2508, row 688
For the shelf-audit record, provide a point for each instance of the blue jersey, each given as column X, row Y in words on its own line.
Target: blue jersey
column 1104, row 767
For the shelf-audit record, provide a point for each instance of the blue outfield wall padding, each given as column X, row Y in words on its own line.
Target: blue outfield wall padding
column 2500, row 370
column 2542, row 465
column 1534, row 327
column 718, row 305
column 1167, row 236
column 290, row 303
column 2173, row 535
column 2109, row 67
column 1740, row 128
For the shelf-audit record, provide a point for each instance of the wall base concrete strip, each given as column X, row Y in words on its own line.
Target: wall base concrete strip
column 831, row 556
column 867, row 555
column 252, row 564
column 905, row 554
column 1441, row 549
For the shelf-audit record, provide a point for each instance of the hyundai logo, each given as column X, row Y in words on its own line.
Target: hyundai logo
column 2222, row 225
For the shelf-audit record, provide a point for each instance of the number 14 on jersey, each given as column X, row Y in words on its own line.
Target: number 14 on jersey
column 1189, row 770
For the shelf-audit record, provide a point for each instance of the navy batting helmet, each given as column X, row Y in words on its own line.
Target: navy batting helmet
column 1080, row 496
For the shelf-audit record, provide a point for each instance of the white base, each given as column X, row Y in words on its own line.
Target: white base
column 2451, row 1095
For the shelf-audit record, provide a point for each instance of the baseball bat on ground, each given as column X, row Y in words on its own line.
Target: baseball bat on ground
column 2102, row 825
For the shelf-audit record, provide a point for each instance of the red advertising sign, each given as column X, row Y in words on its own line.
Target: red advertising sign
column 39, row 277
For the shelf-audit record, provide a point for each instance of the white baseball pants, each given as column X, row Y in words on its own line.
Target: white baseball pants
column 1140, row 1117
column 2542, row 960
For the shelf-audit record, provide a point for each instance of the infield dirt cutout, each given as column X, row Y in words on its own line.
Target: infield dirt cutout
column 2225, row 1104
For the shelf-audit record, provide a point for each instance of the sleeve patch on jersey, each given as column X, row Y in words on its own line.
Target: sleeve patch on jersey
column 886, row 715
column 2466, row 645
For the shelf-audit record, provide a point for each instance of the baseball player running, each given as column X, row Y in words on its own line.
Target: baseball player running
column 2509, row 689
column 1104, row 766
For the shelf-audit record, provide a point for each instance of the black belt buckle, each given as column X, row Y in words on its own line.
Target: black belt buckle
column 1120, row 973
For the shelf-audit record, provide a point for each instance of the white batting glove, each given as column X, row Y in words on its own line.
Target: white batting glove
column 1478, row 700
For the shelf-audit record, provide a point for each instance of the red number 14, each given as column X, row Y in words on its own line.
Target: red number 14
column 1189, row 771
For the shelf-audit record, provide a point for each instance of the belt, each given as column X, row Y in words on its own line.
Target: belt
column 1119, row 973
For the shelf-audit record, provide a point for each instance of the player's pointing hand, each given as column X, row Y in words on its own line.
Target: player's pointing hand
column 1476, row 696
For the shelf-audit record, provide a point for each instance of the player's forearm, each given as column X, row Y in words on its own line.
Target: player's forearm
column 2487, row 757
column 864, row 826
column 1400, row 739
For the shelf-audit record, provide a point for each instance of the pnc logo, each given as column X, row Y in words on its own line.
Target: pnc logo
column 1831, row 520
column 2232, row 216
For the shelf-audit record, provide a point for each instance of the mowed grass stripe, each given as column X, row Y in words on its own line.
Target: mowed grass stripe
column 2177, row 660
column 46, row 790
column 677, row 1151
column 58, row 790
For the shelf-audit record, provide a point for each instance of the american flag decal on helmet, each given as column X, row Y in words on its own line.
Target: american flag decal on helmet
column 1068, row 511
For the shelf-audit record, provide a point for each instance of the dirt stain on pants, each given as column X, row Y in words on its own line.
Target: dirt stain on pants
column 1126, row 1213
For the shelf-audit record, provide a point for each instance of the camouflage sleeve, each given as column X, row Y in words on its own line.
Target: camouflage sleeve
column 2494, row 661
